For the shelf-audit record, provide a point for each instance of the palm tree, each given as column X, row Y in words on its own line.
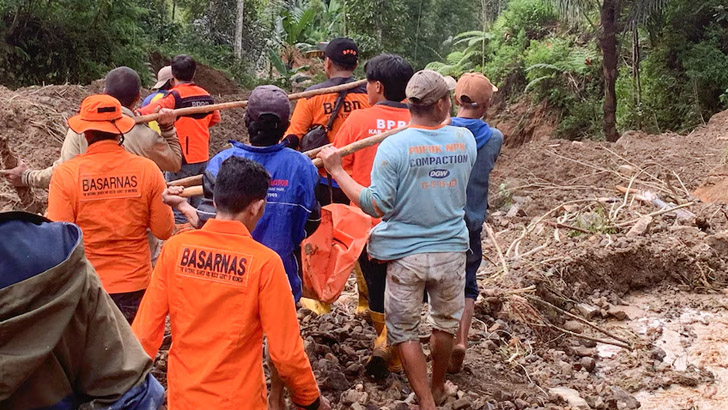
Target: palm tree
column 616, row 16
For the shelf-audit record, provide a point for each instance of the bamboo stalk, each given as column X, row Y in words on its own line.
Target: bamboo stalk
column 361, row 144
column 243, row 104
column 187, row 182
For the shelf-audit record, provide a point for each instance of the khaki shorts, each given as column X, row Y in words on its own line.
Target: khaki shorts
column 442, row 276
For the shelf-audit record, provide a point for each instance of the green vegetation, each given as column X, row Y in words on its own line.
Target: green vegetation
column 665, row 60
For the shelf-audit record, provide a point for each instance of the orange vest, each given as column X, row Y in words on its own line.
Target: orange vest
column 223, row 291
column 114, row 196
column 193, row 130
column 365, row 123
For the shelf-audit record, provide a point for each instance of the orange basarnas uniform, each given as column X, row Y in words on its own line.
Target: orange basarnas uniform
column 223, row 291
column 193, row 130
column 114, row 196
column 365, row 123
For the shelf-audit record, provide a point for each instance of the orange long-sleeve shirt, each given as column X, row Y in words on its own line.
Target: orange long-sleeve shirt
column 114, row 196
column 193, row 130
column 223, row 291
column 365, row 123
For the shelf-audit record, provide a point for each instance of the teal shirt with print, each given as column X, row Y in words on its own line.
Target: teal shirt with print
column 418, row 187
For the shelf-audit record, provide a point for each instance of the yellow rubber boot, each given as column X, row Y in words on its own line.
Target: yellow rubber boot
column 362, row 307
column 377, row 365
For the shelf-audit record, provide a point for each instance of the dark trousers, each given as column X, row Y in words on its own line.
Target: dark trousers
column 375, row 275
column 472, row 263
column 128, row 303
column 187, row 170
column 324, row 195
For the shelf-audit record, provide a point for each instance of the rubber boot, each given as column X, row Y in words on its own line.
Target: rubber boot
column 377, row 365
column 362, row 307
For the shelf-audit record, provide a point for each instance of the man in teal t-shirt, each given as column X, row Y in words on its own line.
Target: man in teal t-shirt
column 419, row 179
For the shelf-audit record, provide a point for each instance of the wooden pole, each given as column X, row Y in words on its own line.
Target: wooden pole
column 361, row 144
column 194, row 190
column 243, row 104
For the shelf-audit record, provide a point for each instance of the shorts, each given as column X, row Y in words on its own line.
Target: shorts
column 442, row 276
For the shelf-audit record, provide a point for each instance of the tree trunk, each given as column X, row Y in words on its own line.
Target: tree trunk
column 608, row 44
column 637, row 80
column 239, row 29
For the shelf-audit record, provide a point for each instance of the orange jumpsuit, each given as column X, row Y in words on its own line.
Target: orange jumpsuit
column 114, row 196
column 223, row 291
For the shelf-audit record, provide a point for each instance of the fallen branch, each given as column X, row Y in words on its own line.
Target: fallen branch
column 243, row 104
column 593, row 339
column 656, row 213
column 565, row 226
column 489, row 231
column 578, row 318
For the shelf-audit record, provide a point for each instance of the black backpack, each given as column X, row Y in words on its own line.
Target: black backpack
column 318, row 135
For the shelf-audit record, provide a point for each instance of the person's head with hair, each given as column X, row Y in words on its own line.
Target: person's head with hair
column 124, row 84
column 100, row 118
column 428, row 97
column 341, row 57
column 183, row 68
column 387, row 78
column 473, row 93
column 266, row 115
column 241, row 189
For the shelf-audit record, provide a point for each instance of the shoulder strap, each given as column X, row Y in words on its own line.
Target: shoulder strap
column 337, row 108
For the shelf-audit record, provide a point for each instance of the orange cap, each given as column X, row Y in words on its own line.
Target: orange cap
column 101, row 112
column 475, row 87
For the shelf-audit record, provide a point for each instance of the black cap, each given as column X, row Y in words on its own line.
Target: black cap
column 342, row 50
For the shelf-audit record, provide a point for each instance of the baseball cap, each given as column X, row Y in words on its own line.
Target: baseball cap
column 268, row 99
column 474, row 89
column 101, row 112
column 164, row 75
column 341, row 50
column 427, row 87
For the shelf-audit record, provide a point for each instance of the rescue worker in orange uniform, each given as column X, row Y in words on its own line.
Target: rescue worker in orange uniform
column 193, row 130
column 223, row 291
column 114, row 196
column 341, row 57
column 387, row 77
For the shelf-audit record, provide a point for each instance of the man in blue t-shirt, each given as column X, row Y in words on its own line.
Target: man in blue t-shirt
column 472, row 95
column 418, row 183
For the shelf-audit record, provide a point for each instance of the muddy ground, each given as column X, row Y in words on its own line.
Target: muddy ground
column 577, row 270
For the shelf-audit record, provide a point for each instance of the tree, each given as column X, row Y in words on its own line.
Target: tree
column 238, row 49
column 615, row 17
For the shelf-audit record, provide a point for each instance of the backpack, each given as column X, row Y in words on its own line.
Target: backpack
column 318, row 135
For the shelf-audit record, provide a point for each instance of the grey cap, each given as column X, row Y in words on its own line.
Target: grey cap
column 268, row 99
column 427, row 87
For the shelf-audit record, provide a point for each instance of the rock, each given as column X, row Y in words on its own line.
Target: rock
column 336, row 381
column 566, row 368
column 353, row 396
column 622, row 400
column 574, row 326
column 588, row 311
column 639, row 228
column 521, row 404
column 588, row 343
column 658, row 354
column 585, row 351
column 570, row 396
column 588, row 363
column 401, row 406
column 463, row 403
column 357, row 406
column 617, row 313
column 331, row 358
column 372, row 406
column 353, row 369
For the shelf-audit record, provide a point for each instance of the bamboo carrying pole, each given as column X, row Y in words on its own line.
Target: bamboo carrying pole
column 243, row 104
column 196, row 190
